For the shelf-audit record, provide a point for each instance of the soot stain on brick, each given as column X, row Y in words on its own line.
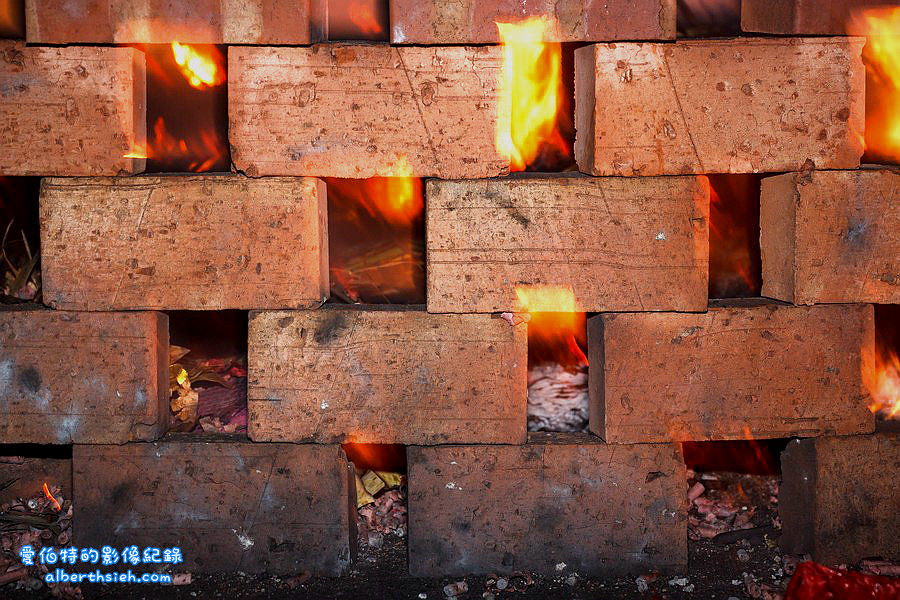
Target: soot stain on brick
column 330, row 328
column 120, row 495
column 30, row 380
column 857, row 233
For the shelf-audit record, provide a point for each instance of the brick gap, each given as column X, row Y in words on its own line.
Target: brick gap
column 376, row 250
column 19, row 221
column 354, row 20
column 216, row 365
column 708, row 18
column 187, row 128
column 753, row 457
column 735, row 266
column 25, row 468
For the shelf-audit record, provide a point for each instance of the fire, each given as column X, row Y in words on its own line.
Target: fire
column 397, row 198
column 361, row 16
column 532, row 91
column 557, row 323
column 201, row 70
column 733, row 228
column 50, row 496
column 200, row 153
column 882, row 58
column 881, row 375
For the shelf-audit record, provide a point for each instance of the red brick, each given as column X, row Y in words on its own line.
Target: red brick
column 831, row 236
column 473, row 21
column 561, row 498
column 838, row 498
column 621, row 244
column 361, row 110
column 71, row 111
column 766, row 371
column 192, row 243
column 719, row 106
column 162, row 21
column 805, row 17
column 67, row 377
column 382, row 376
column 229, row 505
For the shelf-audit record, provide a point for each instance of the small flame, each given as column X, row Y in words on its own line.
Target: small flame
column 163, row 146
column 50, row 496
column 881, row 375
column 532, row 91
column 882, row 58
column 361, row 16
column 200, row 70
column 556, row 324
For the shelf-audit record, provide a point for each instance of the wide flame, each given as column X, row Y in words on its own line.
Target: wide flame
column 882, row 59
column 532, row 91
column 557, row 322
column 201, row 70
column 881, row 375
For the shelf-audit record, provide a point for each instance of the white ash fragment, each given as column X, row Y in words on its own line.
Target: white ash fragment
column 557, row 398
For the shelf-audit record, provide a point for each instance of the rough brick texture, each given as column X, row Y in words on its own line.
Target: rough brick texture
column 24, row 476
column 562, row 498
column 473, row 21
column 766, row 371
column 202, row 242
column 162, row 21
column 621, row 244
column 379, row 376
column 88, row 378
column 831, row 236
column 365, row 110
column 70, row 111
column 838, row 498
column 229, row 506
column 719, row 106
column 805, row 17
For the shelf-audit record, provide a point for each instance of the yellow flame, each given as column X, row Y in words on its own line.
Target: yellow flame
column 201, row 71
column 882, row 57
column 532, row 91
column 557, row 320
column 881, row 375
column 50, row 497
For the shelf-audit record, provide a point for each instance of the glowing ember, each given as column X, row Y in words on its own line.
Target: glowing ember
column 532, row 91
column 50, row 496
column 557, row 323
column 882, row 58
column 200, row 70
column 361, row 16
column 881, row 375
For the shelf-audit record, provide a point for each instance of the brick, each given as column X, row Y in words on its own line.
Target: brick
column 831, row 237
column 621, row 244
column 380, row 376
column 24, row 476
column 71, row 111
column 162, row 21
column 229, row 505
column 96, row 378
column 764, row 370
column 838, row 498
column 562, row 498
column 719, row 106
column 473, row 21
column 805, row 17
column 197, row 242
column 361, row 110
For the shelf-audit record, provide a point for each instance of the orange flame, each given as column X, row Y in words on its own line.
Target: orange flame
column 200, row 70
column 557, row 323
column 50, row 496
column 731, row 266
column 361, row 16
column 532, row 91
column 162, row 145
column 882, row 58
column 881, row 375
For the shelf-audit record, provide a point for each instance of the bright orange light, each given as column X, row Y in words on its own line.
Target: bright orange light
column 557, row 321
column 200, row 70
column 50, row 496
column 532, row 91
column 396, row 198
column 882, row 58
column 136, row 152
column 881, row 375
column 361, row 16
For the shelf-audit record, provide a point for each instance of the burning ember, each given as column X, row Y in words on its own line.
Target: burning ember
column 533, row 92
column 557, row 365
column 882, row 58
column 881, row 375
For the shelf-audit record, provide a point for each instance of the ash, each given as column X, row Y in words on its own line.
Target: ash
column 557, row 398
